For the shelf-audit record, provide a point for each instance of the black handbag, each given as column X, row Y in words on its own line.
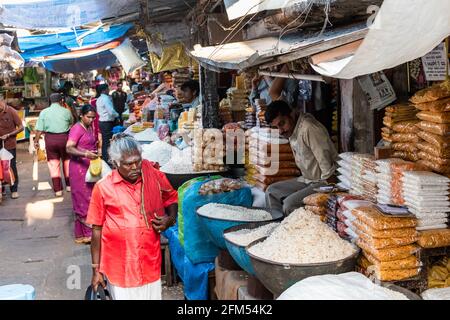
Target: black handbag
column 100, row 294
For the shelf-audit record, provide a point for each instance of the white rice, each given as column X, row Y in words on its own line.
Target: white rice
column 302, row 238
column 244, row 237
column 158, row 151
column 234, row 213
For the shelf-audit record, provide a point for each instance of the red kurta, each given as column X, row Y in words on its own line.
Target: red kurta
column 130, row 253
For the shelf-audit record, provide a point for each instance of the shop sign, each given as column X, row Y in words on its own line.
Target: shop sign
column 435, row 63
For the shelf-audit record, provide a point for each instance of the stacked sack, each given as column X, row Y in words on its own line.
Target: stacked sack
column 398, row 170
column 434, row 146
column 384, row 180
column 180, row 77
column 250, row 169
column 250, row 118
column 238, row 102
column 345, row 170
column 388, row 243
column 363, row 178
column 317, row 203
column 405, row 139
column 260, row 113
column 225, row 115
column 262, row 148
column 343, row 218
column 426, row 195
column 208, row 153
column 394, row 115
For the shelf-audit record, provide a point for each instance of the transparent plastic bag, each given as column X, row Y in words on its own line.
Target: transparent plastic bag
column 405, row 137
column 435, row 92
column 404, row 146
column 373, row 217
column 442, row 105
column 317, row 199
column 435, row 227
column 385, row 243
column 436, row 160
column 425, row 178
column 434, row 166
column 406, row 127
column 389, row 254
column 442, row 129
column 389, row 233
column 405, row 155
column 393, row 275
column 436, row 140
column 435, row 117
column 433, row 150
column 434, row 238
column 406, row 263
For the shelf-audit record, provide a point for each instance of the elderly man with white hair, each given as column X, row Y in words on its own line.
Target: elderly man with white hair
column 129, row 209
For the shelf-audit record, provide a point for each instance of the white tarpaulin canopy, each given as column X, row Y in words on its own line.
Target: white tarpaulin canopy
column 239, row 8
column 403, row 30
column 48, row 14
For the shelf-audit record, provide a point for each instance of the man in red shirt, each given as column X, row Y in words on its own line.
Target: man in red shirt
column 10, row 126
column 129, row 209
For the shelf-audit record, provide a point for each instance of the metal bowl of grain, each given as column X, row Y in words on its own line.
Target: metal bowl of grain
column 277, row 277
column 216, row 225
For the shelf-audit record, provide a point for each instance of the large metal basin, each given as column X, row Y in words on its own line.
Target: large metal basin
column 237, row 251
column 277, row 277
column 215, row 227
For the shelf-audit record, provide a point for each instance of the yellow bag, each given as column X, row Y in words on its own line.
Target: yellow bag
column 41, row 156
column 95, row 167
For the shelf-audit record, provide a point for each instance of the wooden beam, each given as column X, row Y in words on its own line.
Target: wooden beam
column 337, row 53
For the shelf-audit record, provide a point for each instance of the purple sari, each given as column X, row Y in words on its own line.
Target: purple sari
column 81, row 190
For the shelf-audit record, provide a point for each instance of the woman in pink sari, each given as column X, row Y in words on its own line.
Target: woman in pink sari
column 82, row 146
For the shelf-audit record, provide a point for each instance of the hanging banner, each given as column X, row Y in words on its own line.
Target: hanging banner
column 435, row 63
column 49, row 14
column 378, row 90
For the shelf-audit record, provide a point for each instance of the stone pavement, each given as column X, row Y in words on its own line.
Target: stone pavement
column 36, row 238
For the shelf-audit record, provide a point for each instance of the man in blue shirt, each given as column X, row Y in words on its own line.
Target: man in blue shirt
column 107, row 118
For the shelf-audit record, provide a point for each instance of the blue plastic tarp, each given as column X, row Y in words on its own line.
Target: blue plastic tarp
column 56, row 43
column 194, row 276
column 88, row 63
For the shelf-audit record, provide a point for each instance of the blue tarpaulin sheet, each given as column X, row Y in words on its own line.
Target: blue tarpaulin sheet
column 194, row 276
column 56, row 43
column 92, row 62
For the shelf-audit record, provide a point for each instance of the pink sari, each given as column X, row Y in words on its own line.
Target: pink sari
column 81, row 190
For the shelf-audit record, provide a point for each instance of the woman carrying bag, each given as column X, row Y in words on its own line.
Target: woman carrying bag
column 82, row 146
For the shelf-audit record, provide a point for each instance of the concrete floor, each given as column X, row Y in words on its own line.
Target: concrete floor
column 36, row 239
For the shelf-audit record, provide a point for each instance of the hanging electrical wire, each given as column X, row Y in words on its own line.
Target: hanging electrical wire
column 233, row 32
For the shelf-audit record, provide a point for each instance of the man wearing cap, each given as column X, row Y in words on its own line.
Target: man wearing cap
column 55, row 121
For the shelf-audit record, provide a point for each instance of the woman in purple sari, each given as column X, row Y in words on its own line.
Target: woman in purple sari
column 82, row 146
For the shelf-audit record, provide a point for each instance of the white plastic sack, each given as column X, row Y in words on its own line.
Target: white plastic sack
column 353, row 204
column 436, row 294
column 12, row 57
column 128, row 56
column 105, row 171
column 5, row 155
column 345, row 286
column 6, row 39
